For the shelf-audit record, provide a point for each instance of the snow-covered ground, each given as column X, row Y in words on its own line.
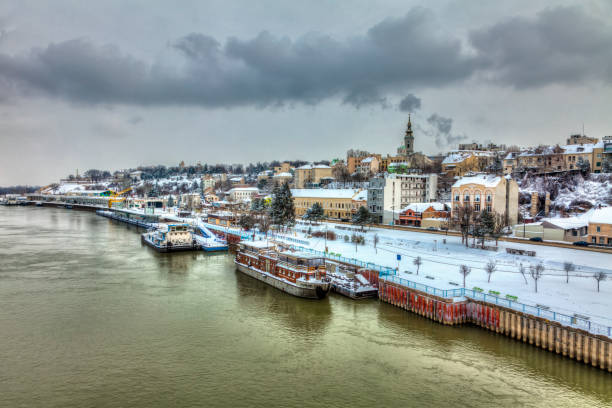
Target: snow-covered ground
column 441, row 261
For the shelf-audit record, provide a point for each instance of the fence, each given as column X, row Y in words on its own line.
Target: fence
column 383, row 270
column 566, row 320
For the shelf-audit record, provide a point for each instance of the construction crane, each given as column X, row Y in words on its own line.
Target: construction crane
column 114, row 196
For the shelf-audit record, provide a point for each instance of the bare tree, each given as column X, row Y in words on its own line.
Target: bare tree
column 465, row 271
column 490, row 267
column 599, row 276
column 568, row 267
column 376, row 239
column 417, row 262
column 463, row 219
column 522, row 271
column 536, row 272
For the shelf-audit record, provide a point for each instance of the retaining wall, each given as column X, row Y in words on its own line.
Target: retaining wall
column 548, row 335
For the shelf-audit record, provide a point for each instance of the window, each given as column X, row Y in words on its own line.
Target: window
column 594, row 240
column 598, row 228
column 466, row 198
column 477, row 207
column 574, row 233
column 488, row 198
column 601, row 240
column 488, row 207
column 477, row 198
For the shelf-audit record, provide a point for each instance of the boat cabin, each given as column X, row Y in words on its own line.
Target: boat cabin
column 173, row 234
column 300, row 265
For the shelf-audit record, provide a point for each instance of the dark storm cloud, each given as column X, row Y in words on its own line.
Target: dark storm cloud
column 264, row 70
column 441, row 131
column 410, row 103
column 560, row 46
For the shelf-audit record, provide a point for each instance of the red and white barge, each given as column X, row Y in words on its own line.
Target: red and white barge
column 297, row 273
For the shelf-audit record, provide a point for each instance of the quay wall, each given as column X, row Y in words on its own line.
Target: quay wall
column 548, row 335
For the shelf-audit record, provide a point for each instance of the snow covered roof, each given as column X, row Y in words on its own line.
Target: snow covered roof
column 236, row 179
column 569, row 222
column 487, row 180
column 361, row 196
column 284, row 174
column 420, row 207
column 368, row 160
column 324, row 192
column 601, row 215
column 244, row 189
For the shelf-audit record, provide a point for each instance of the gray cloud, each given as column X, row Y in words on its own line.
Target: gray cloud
column 563, row 45
column 410, row 103
column 442, row 131
column 265, row 70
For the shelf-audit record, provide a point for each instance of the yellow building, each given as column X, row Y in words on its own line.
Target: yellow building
column 460, row 162
column 600, row 226
column 337, row 203
column 311, row 174
column 485, row 192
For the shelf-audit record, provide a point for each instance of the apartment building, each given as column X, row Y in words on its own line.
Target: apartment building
column 387, row 195
column 337, row 203
column 311, row 175
column 485, row 192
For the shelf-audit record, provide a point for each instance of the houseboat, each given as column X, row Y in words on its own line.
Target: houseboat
column 171, row 238
column 299, row 274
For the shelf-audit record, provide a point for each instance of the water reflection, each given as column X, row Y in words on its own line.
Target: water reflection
column 467, row 341
column 304, row 316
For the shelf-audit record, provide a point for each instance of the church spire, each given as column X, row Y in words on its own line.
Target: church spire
column 409, row 124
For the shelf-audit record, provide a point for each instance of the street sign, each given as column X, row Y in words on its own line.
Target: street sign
column 399, row 257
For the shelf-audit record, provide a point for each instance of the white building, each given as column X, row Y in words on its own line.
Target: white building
column 387, row 195
column 241, row 194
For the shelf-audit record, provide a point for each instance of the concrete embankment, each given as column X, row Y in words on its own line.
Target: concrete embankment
column 567, row 341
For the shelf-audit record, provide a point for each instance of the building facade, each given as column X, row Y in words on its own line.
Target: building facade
column 387, row 195
column 242, row 194
column 311, row 175
column 600, row 226
column 485, row 192
column 337, row 203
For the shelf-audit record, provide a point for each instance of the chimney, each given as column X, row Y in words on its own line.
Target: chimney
column 547, row 204
column 534, row 204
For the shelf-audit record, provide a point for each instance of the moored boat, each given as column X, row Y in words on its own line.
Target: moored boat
column 299, row 274
column 170, row 238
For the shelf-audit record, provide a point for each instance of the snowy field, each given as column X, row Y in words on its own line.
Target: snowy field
column 441, row 261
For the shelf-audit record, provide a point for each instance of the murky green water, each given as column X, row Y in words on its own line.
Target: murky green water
column 90, row 318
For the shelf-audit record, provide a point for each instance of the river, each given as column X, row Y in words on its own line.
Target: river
column 91, row 318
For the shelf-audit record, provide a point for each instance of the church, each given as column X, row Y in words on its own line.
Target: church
column 406, row 157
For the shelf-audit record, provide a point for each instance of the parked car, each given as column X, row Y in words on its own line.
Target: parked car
column 536, row 239
column 581, row 243
column 432, row 229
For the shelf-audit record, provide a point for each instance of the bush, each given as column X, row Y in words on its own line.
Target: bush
column 346, row 238
column 331, row 235
column 357, row 239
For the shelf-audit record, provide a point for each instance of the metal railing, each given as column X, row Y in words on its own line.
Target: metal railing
column 564, row 319
column 383, row 270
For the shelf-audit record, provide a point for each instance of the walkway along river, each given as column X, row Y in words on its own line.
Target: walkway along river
column 90, row 317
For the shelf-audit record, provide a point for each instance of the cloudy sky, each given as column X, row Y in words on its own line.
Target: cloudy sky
column 117, row 84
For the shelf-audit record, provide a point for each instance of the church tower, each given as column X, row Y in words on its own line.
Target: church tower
column 408, row 148
column 409, row 138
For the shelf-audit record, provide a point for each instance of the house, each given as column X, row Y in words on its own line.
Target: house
column 388, row 194
column 415, row 213
column 222, row 218
column 581, row 139
column 485, row 192
column 336, row 203
column 285, row 167
column 600, row 226
column 359, row 200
